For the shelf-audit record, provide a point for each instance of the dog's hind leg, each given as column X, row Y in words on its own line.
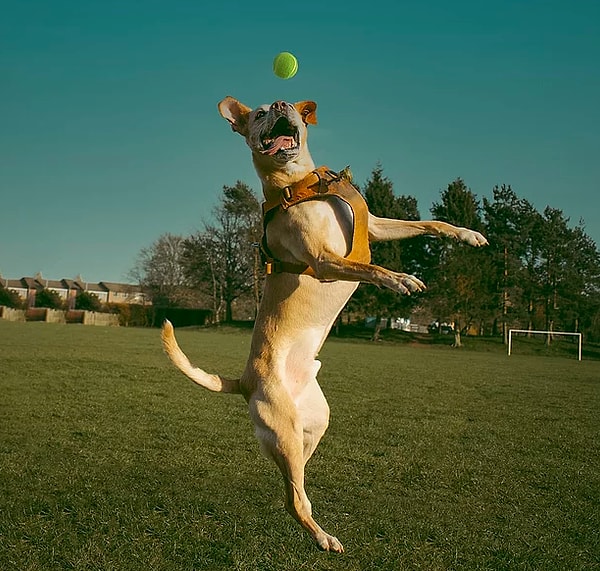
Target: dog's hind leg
column 314, row 413
column 280, row 432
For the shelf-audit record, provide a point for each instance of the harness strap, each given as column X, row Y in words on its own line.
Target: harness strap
column 322, row 183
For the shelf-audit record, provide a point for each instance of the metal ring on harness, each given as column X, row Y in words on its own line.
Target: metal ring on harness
column 323, row 184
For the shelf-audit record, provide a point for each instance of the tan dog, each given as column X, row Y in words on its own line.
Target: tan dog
column 286, row 404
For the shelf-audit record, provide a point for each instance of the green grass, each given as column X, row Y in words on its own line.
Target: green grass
column 436, row 459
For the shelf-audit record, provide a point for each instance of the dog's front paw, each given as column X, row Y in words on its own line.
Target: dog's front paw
column 407, row 284
column 471, row 237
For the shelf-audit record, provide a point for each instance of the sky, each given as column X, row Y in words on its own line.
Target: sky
column 110, row 134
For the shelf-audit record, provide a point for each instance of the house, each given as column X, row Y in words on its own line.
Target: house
column 124, row 293
column 95, row 288
column 68, row 289
column 57, row 286
column 73, row 289
column 25, row 288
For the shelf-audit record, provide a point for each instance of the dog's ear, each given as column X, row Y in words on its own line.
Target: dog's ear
column 308, row 111
column 236, row 113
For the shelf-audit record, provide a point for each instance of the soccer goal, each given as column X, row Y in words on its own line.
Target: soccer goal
column 550, row 333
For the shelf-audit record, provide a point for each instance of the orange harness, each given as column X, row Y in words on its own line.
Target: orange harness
column 320, row 184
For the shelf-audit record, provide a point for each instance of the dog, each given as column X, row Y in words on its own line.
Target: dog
column 316, row 243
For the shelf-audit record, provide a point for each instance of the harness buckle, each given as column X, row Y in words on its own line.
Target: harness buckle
column 272, row 267
column 286, row 193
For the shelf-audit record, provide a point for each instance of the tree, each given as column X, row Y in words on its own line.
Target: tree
column 48, row 298
column 407, row 256
column 88, row 301
column 9, row 298
column 455, row 291
column 202, row 262
column 159, row 271
column 545, row 273
column 509, row 236
column 531, row 239
column 223, row 259
column 553, row 262
column 568, row 269
column 585, row 285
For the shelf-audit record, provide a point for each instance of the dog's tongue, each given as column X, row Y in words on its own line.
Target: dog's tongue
column 278, row 143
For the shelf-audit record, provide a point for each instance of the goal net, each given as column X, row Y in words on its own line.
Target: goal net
column 544, row 336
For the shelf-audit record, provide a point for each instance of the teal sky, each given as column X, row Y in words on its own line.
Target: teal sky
column 110, row 135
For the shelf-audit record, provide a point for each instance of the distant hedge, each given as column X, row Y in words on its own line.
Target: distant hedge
column 137, row 315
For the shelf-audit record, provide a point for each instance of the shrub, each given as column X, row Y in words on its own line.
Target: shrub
column 10, row 298
column 48, row 298
column 88, row 301
column 132, row 314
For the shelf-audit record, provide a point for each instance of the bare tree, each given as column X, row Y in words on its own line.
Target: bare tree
column 159, row 271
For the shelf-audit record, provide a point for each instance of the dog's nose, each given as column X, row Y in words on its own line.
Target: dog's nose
column 280, row 106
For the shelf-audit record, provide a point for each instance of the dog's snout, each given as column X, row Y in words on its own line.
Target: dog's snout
column 280, row 106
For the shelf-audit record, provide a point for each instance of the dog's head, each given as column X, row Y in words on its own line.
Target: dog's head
column 276, row 133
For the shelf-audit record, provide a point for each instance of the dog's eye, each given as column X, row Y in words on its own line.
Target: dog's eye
column 260, row 113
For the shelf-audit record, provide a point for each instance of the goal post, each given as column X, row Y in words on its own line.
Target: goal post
column 550, row 333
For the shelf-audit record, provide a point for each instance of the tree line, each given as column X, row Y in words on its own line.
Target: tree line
column 538, row 272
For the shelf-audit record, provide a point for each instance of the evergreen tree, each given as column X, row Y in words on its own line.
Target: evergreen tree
column 508, row 235
column 568, row 268
column 585, row 286
column 401, row 256
column 531, row 240
column 546, row 275
column 456, row 287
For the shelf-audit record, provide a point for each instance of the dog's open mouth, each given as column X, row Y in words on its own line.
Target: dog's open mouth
column 283, row 137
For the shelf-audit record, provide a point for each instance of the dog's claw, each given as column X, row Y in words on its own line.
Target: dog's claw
column 415, row 284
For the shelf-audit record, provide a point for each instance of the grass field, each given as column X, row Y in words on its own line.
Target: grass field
column 436, row 459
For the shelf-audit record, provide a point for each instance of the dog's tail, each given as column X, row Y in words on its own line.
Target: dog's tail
column 200, row 377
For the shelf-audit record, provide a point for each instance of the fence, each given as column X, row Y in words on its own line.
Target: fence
column 11, row 314
column 58, row 316
column 122, row 314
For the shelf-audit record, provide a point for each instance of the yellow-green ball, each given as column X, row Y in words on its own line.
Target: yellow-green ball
column 285, row 65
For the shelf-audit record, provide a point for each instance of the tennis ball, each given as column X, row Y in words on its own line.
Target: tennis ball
column 285, row 65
